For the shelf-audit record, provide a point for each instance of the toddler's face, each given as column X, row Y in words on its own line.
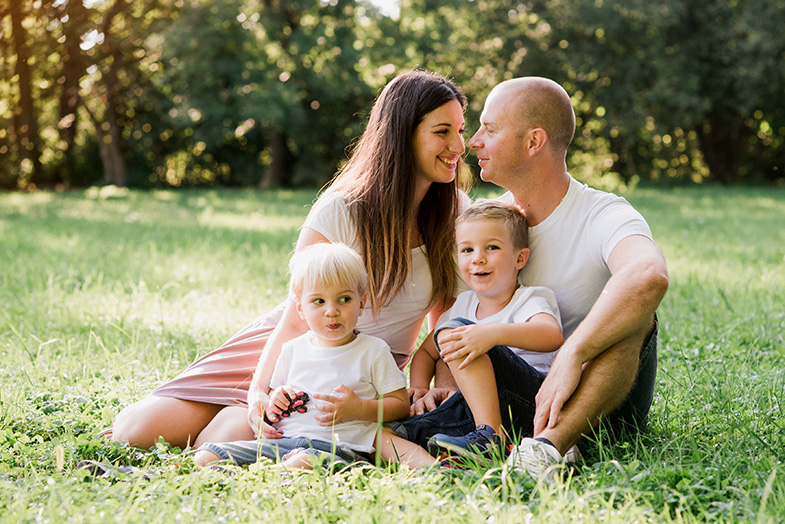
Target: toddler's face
column 487, row 259
column 331, row 312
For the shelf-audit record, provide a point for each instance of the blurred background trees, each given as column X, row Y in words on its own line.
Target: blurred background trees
column 269, row 93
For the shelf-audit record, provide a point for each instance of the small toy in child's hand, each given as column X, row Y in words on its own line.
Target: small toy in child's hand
column 297, row 404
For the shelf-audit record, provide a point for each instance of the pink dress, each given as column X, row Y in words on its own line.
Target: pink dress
column 223, row 376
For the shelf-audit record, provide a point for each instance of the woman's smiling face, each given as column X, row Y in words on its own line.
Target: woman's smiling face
column 438, row 144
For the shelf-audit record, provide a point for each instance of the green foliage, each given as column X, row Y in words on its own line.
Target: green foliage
column 108, row 292
column 172, row 93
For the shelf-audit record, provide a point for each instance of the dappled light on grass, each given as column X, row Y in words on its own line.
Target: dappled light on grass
column 105, row 298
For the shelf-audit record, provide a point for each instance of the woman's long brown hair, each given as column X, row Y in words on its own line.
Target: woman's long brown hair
column 380, row 181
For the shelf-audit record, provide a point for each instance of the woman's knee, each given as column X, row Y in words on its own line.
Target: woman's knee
column 177, row 421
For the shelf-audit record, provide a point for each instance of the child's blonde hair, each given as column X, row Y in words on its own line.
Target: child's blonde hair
column 326, row 264
column 509, row 215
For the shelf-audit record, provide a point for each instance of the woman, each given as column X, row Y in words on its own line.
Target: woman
column 395, row 201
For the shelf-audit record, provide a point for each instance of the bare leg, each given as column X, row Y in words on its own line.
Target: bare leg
column 204, row 458
column 298, row 459
column 228, row 425
column 177, row 421
column 604, row 385
column 478, row 385
column 395, row 449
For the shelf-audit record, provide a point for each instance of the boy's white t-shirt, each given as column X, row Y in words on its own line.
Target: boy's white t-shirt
column 570, row 248
column 525, row 303
column 364, row 365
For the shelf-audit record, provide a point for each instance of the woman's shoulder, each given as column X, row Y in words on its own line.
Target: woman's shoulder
column 330, row 217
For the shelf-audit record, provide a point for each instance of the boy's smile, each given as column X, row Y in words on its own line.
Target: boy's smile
column 331, row 312
column 488, row 261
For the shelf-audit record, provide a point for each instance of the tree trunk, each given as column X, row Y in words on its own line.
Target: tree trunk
column 25, row 121
column 107, row 128
column 277, row 173
column 720, row 138
column 73, row 69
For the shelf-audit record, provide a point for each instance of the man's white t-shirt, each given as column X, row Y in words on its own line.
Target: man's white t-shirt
column 570, row 248
column 364, row 365
column 525, row 303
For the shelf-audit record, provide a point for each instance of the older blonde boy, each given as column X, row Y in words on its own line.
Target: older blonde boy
column 491, row 239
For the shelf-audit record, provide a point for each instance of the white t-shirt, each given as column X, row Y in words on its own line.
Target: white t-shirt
column 525, row 303
column 364, row 365
column 400, row 321
column 570, row 248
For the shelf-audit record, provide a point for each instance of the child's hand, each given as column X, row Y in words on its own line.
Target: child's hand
column 279, row 402
column 465, row 343
column 338, row 408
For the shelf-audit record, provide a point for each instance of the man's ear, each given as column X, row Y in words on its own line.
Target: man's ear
column 535, row 140
column 523, row 257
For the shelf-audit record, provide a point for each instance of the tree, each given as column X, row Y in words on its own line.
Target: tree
column 26, row 128
column 681, row 82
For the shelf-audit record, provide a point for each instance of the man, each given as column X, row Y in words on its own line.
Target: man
column 596, row 253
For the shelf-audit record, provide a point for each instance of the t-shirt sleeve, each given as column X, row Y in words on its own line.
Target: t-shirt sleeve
column 541, row 300
column 281, row 370
column 617, row 221
column 386, row 375
column 330, row 217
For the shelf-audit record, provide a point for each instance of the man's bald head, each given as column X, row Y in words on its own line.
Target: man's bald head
column 539, row 102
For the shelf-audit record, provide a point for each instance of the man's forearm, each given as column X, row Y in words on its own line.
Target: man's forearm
column 443, row 377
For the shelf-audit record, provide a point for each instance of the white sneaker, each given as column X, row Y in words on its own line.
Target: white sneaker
column 540, row 459
column 573, row 455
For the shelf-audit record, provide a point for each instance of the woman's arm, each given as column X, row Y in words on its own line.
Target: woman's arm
column 291, row 326
column 423, row 368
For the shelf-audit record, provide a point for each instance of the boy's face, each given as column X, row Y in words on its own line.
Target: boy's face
column 331, row 312
column 488, row 261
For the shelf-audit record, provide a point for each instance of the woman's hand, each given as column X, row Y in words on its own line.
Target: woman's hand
column 255, row 414
column 416, row 394
column 431, row 400
column 338, row 408
column 465, row 343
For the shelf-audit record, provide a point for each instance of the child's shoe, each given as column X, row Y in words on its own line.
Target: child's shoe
column 482, row 443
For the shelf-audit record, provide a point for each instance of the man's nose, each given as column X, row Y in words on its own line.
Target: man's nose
column 475, row 142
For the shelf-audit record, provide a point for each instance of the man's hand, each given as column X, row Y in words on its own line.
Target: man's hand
column 338, row 408
column 556, row 389
column 465, row 343
column 430, row 400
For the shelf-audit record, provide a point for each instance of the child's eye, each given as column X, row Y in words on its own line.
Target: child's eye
column 318, row 301
column 345, row 300
column 493, row 247
column 466, row 250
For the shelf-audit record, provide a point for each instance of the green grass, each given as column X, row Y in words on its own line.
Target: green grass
column 106, row 293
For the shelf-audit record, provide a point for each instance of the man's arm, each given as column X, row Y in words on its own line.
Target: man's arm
column 639, row 280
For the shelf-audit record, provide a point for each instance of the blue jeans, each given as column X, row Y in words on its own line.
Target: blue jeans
column 248, row 451
column 517, row 384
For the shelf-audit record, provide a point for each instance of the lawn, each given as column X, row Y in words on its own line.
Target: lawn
column 105, row 293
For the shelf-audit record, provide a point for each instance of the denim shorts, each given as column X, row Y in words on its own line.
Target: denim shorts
column 517, row 384
column 249, row 451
